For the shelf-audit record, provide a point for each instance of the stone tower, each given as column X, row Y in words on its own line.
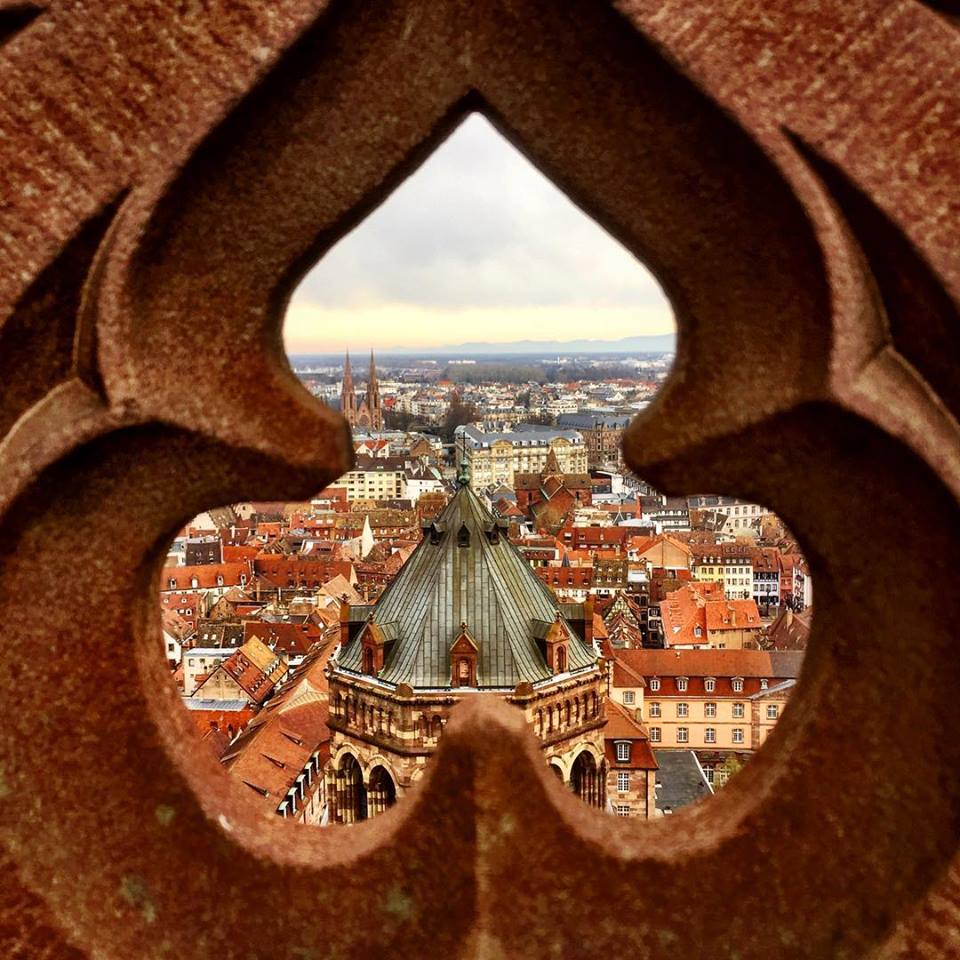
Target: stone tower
column 466, row 615
column 348, row 399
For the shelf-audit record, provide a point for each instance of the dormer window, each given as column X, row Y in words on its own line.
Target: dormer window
column 463, row 536
column 737, row 684
column 655, row 683
column 764, row 684
column 698, row 631
column 623, row 751
column 463, row 659
column 173, row 583
column 710, row 684
column 561, row 659
column 682, row 684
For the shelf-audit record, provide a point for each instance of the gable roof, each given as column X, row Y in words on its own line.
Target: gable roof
column 770, row 664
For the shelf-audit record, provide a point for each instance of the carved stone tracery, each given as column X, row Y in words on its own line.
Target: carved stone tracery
column 791, row 175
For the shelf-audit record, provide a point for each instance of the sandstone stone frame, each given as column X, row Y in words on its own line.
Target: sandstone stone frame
column 169, row 170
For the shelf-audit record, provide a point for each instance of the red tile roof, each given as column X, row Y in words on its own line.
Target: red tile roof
column 772, row 665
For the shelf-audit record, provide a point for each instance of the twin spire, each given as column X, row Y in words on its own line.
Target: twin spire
column 368, row 414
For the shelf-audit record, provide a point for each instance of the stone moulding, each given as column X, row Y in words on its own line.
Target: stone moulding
column 168, row 173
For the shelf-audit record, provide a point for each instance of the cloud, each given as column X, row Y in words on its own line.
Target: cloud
column 477, row 229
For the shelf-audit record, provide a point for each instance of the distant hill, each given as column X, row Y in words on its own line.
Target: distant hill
column 659, row 343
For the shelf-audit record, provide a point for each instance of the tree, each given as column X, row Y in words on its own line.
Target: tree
column 731, row 766
column 543, row 419
column 458, row 414
column 397, row 419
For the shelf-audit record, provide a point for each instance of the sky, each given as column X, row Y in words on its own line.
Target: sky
column 476, row 245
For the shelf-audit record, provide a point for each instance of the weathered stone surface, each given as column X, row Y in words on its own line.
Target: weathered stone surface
column 789, row 170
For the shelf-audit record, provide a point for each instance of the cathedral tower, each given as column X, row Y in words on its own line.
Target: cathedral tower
column 348, row 399
column 465, row 615
column 374, row 410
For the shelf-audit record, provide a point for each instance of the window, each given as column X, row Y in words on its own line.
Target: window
column 655, row 684
column 738, row 734
column 628, row 697
column 623, row 781
column 709, row 709
column 737, row 685
column 623, row 810
column 710, row 684
column 710, row 735
column 698, row 631
column 623, row 751
column 738, row 710
column 764, row 684
column 654, row 709
column 682, row 684
column 654, row 734
column 683, row 735
column 683, row 710
column 773, row 711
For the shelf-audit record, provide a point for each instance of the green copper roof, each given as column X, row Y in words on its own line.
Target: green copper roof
column 465, row 570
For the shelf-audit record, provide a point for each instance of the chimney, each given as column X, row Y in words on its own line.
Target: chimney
column 588, row 621
column 344, row 621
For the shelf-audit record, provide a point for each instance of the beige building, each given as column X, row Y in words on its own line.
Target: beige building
column 375, row 478
column 495, row 458
column 728, row 563
column 248, row 672
column 631, row 765
column 663, row 552
column 715, row 702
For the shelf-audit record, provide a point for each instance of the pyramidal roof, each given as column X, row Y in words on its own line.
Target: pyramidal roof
column 466, row 572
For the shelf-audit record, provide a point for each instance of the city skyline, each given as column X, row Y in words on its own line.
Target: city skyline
column 477, row 240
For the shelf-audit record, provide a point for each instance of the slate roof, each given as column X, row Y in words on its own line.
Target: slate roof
column 484, row 583
column 680, row 779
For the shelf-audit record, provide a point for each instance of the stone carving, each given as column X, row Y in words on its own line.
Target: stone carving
column 168, row 171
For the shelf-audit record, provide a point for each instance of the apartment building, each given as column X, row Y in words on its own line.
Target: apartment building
column 741, row 517
column 375, row 478
column 698, row 615
column 495, row 458
column 715, row 702
column 728, row 563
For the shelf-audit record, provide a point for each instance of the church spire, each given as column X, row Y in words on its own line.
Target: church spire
column 373, row 396
column 552, row 466
column 348, row 399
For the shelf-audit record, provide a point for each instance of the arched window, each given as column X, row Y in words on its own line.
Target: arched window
column 561, row 659
column 368, row 660
column 463, row 671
